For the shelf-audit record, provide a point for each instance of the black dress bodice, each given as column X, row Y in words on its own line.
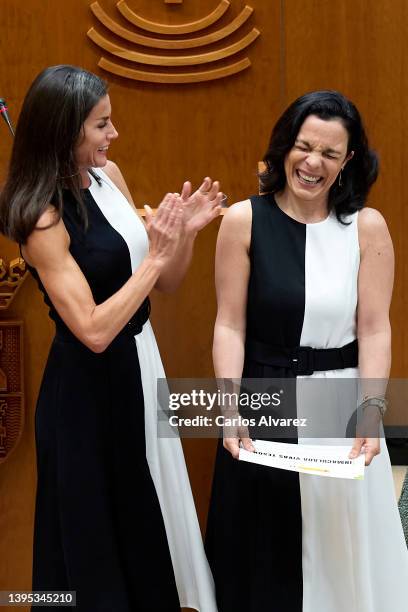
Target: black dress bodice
column 102, row 255
column 276, row 289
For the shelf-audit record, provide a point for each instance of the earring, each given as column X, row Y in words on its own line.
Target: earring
column 340, row 181
column 68, row 176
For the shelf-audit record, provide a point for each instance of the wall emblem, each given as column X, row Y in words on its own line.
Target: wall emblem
column 12, row 276
column 201, row 50
column 11, row 386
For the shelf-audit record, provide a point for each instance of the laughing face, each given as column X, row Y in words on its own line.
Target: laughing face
column 316, row 158
column 97, row 133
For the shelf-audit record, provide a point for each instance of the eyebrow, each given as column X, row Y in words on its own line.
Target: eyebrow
column 309, row 145
column 103, row 118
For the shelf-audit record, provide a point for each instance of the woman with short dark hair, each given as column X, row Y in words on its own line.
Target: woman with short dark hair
column 304, row 276
column 111, row 496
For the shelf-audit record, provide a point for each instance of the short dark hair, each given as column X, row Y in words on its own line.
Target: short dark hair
column 42, row 160
column 360, row 172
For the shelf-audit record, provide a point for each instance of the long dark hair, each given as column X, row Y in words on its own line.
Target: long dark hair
column 359, row 173
column 42, row 160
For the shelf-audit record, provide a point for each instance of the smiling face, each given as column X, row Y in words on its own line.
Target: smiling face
column 95, row 137
column 316, row 158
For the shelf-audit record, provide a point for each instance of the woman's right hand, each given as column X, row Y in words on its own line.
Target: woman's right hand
column 164, row 229
column 233, row 436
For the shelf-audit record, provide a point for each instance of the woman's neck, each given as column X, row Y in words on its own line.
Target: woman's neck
column 85, row 179
column 305, row 211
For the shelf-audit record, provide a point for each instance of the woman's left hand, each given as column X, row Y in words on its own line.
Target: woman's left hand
column 369, row 446
column 200, row 207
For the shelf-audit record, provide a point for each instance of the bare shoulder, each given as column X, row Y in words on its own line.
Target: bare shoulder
column 112, row 170
column 48, row 218
column 241, row 211
column 236, row 224
column 372, row 228
column 370, row 219
column 116, row 176
column 49, row 240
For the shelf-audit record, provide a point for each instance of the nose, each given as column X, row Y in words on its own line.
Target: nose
column 113, row 133
column 313, row 160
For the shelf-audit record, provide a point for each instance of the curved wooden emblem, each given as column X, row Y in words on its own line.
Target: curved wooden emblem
column 177, row 60
column 11, row 387
column 162, row 28
column 168, row 60
column 186, row 77
column 161, row 43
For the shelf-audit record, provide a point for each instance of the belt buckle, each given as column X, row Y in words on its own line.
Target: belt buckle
column 303, row 361
column 134, row 327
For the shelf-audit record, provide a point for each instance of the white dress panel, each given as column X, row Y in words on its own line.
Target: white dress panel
column 354, row 554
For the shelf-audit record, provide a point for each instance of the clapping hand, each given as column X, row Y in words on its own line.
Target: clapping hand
column 164, row 229
column 200, row 207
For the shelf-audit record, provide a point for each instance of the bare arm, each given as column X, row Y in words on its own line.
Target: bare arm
column 97, row 325
column 375, row 283
column 232, row 268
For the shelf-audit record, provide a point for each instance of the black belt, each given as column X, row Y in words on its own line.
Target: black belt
column 303, row 360
column 135, row 325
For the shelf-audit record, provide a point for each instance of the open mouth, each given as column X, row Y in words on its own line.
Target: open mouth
column 103, row 149
column 308, row 179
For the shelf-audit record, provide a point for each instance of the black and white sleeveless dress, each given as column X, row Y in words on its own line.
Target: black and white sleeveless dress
column 115, row 517
column 278, row 541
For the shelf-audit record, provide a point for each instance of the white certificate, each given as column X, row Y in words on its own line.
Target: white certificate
column 319, row 460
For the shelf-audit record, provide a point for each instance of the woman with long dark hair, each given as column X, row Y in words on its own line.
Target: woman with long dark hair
column 304, row 276
column 115, row 518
